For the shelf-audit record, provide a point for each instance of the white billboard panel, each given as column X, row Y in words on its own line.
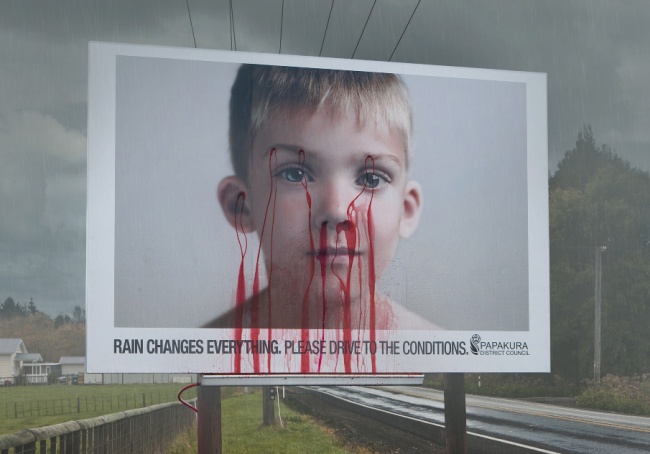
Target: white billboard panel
column 373, row 217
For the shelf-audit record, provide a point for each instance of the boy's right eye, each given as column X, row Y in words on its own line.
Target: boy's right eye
column 292, row 174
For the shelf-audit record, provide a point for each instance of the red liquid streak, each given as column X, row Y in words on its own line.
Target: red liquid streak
column 241, row 281
column 255, row 299
column 371, row 275
column 323, row 271
column 350, row 231
column 270, row 259
column 304, row 335
column 371, row 287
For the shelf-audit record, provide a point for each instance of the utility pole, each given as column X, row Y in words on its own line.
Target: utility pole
column 597, row 322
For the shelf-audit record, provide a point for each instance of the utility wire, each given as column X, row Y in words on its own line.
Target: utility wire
column 280, row 51
column 364, row 28
column 404, row 31
column 326, row 27
column 233, row 36
column 187, row 3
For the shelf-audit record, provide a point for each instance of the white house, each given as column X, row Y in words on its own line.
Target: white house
column 34, row 369
column 9, row 365
column 15, row 360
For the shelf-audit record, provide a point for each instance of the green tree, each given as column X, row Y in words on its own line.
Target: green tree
column 10, row 308
column 31, row 307
column 61, row 320
column 597, row 199
column 78, row 315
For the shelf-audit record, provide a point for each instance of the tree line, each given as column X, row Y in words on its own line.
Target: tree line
column 63, row 335
column 599, row 204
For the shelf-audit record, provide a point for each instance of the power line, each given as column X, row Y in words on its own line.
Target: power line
column 326, row 27
column 233, row 36
column 404, row 31
column 281, row 26
column 187, row 3
column 364, row 28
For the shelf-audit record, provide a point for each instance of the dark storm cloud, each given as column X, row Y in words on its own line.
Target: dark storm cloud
column 594, row 52
column 43, row 82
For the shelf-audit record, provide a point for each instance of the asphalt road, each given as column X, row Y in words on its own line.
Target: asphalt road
column 533, row 426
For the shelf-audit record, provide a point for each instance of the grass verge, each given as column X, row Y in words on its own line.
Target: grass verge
column 243, row 432
column 510, row 385
column 619, row 394
column 630, row 395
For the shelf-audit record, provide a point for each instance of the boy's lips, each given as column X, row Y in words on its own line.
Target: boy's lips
column 332, row 252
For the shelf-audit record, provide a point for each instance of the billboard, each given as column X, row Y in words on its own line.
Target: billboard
column 253, row 213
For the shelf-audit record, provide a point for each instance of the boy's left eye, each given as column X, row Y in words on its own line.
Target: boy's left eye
column 293, row 174
column 370, row 180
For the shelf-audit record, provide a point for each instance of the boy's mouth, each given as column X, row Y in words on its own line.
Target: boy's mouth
column 331, row 253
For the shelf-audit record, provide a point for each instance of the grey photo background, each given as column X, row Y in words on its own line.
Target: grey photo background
column 176, row 258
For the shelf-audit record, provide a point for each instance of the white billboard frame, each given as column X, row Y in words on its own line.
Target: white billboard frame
column 132, row 329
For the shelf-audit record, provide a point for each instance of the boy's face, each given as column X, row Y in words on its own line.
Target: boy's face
column 329, row 200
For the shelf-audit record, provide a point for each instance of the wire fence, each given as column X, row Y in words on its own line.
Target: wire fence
column 83, row 404
column 143, row 430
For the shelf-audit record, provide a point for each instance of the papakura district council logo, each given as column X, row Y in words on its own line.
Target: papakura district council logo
column 498, row 348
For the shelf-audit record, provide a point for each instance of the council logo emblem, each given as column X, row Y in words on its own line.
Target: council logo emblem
column 474, row 343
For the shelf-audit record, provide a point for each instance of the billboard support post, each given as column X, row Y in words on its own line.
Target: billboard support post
column 209, row 419
column 268, row 414
column 455, row 413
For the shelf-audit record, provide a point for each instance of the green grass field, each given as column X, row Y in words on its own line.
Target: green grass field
column 26, row 407
column 243, row 432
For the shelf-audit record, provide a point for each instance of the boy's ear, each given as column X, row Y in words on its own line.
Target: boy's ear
column 412, row 209
column 231, row 193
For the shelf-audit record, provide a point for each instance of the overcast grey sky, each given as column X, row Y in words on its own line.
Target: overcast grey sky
column 596, row 54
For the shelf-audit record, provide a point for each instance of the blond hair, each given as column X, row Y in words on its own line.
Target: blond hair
column 260, row 93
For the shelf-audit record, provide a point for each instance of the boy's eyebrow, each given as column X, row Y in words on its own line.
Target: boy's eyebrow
column 285, row 146
column 298, row 149
column 390, row 157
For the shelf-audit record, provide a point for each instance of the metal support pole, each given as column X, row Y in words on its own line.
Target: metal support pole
column 209, row 430
column 455, row 414
column 597, row 303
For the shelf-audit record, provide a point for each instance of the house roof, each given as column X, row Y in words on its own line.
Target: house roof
column 9, row 346
column 29, row 357
column 72, row 360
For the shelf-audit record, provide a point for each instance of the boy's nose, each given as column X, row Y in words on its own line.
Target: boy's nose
column 333, row 204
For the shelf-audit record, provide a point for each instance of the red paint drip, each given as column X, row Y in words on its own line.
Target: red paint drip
column 255, row 299
column 269, row 325
column 371, row 286
column 322, row 246
column 371, row 274
column 241, row 280
column 304, row 334
column 350, row 231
